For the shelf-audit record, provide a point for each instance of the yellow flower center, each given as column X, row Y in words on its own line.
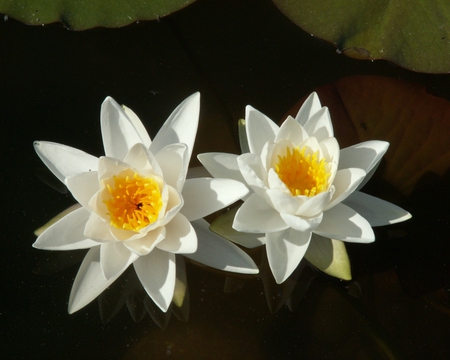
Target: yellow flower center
column 302, row 174
column 135, row 202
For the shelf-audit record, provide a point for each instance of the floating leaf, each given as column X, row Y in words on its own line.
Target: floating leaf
column 415, row 123
column 329, row 256
column 82, row 15
column 413, row 34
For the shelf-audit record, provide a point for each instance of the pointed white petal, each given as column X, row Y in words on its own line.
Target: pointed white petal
column 180, row 236
column 316, row 204
column 302, row 224
column 216, row 252
column 83, row 186
column 137, row 123
column 330, row 148
column 221, row 165
column 283, row 202
column 118, row 132
column 98, row 229
column 376, row 211
column 142, row 160
column 292, row 131
column 319, row 125
column 115, row 258
column 243, row 141
column 260, row 129
column 256, row 216
column 145, row 244
column 174, row 162
column 345, row 182
column 223, row 227
column 285, row 249
column 251, row 170
column 56, row 218
column 156, row 271
column 204, row 196
column 67, row 233
column 64, row 160
column 89, row 282
column 364, row 155
column 344, row 223
column 309, row 108
column 180, row 127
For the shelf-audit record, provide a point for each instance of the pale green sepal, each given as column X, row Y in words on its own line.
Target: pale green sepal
column 223, row 226
column 329, row 256
column 53, row 220
column 180, row 283
column 243, row 141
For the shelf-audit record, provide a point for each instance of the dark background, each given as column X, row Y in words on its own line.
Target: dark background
column 52, row 83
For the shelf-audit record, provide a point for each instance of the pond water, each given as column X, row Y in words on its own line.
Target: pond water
column 236, row 53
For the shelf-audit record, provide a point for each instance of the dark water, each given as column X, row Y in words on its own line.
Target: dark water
column 52, row 82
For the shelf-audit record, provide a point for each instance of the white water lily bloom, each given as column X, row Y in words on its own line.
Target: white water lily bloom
column 137, row 206
column 302, row 184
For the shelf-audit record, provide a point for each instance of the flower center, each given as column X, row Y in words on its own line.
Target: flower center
column 135, row 202
column 302, row 174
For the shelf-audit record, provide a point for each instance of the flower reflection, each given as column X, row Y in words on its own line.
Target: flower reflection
column 137, row 206
column 304, row 188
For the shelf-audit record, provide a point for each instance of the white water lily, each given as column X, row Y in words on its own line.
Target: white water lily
column 137, row 206
column 303, row 186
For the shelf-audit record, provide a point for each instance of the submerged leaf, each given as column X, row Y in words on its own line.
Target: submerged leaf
column 82, row 15
column 413, row 34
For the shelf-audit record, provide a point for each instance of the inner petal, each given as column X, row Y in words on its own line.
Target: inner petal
column 133, row 201
column 304, row 172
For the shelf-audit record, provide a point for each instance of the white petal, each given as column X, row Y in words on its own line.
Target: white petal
column 376, row 211
column 256, row 216
column 309, row 108
column 145, row 244
column 364, row 155
column 330, row 148
column 156, row 271
column 285, row 249
column 344, row 223
column 292, row 131
column 319, row 125
column 83, row 186
column 216, row 252
column 64, row 160
column 251, row 170
column 283, row 202
column 174, row 162
column 260, row 129
column 221, row 165
column 316, row 204
column 345, row 182
column 180, row 127
column 243, row 141
column 109, row 167
column 115, row 258
column 180, row 236
column 98, row 229
column 302, row 224
column 137, row 123
column 67, row 233
column 142, row 160
column 89, row 282
column 204, row 196
column 223, row 227
column 118, row 132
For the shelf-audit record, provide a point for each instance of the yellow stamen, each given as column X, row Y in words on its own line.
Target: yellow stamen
column 302, row 174
column 135, row 202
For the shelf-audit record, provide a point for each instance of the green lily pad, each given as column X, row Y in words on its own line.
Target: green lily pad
column 413, row 34
column 82, row 15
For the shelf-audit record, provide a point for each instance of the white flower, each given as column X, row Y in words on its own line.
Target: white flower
column 303, row 184
column 137, row 206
